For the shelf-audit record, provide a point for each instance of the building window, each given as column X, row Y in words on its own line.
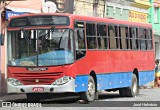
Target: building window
column 156, row 15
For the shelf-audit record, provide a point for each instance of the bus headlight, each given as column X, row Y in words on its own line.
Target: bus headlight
column 14, row 82
column 62, row 80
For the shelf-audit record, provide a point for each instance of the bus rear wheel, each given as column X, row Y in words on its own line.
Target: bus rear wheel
column 89, row 95
column 131, row 91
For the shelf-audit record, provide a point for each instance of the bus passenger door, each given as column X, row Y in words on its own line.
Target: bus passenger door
column 80, row 48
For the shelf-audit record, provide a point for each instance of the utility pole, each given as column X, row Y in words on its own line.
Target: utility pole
column 95, row 4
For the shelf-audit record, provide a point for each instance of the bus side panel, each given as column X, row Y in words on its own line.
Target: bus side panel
column 81, row 83
column 114, row 80
column 146, row 77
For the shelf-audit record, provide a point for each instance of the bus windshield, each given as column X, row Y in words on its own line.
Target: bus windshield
column 45, row 47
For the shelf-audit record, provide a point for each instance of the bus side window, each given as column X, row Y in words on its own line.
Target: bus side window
column 149, row 40
column 127, row 37
column 123, row 37
column 133, row 38
column 91, row 36
column 81, row 40
column 102, row 36
column 143, row 40
column 112, row 31
column 80, row 43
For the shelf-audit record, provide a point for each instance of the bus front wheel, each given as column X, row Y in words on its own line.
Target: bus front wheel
column 89, row 95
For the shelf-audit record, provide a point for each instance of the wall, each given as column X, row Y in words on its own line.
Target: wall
column 31, row 4
column 85, row 7
column 156, row 25
column 124, row 10
column 117, row 12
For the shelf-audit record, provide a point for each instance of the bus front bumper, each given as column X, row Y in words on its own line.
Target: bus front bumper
column 68, row 87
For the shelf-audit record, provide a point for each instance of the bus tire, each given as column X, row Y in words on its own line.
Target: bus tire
column 33, row 97
column 90, row 94
column 133, row 90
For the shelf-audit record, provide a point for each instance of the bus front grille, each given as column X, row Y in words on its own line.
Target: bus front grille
column 37, row 78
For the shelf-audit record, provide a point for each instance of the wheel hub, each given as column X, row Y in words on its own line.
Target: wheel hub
column 91, row 88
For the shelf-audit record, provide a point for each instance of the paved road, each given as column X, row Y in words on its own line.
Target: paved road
column 106, row 99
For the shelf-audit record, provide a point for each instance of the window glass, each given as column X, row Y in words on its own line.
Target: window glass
column 112, row 34
column 41, row 47
column 80, row 39
column 101, row 30
column 133, row 38
column 91, row 42
column 150, row 45
column 143, row 40
column 90, row 29
column 91, row 36
column 102, row 42
column 127, row 38
column 124, row 42
column 102, row 36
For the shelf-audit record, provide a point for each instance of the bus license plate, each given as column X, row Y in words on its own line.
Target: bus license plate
column 38, row 89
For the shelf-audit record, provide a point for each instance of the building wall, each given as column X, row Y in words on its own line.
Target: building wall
column 156, row 25
column 136, row 16
column 3, row 58
column 126, row 10
column 31, row 4
column 117, row 12
column 85, row 7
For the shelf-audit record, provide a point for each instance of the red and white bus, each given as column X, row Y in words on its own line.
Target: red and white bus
column 61, row 53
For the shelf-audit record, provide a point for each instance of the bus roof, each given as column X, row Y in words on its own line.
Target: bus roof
column 91, row 19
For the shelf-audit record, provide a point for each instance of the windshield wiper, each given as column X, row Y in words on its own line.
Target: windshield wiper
column 61, row 37
column 26, row 36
